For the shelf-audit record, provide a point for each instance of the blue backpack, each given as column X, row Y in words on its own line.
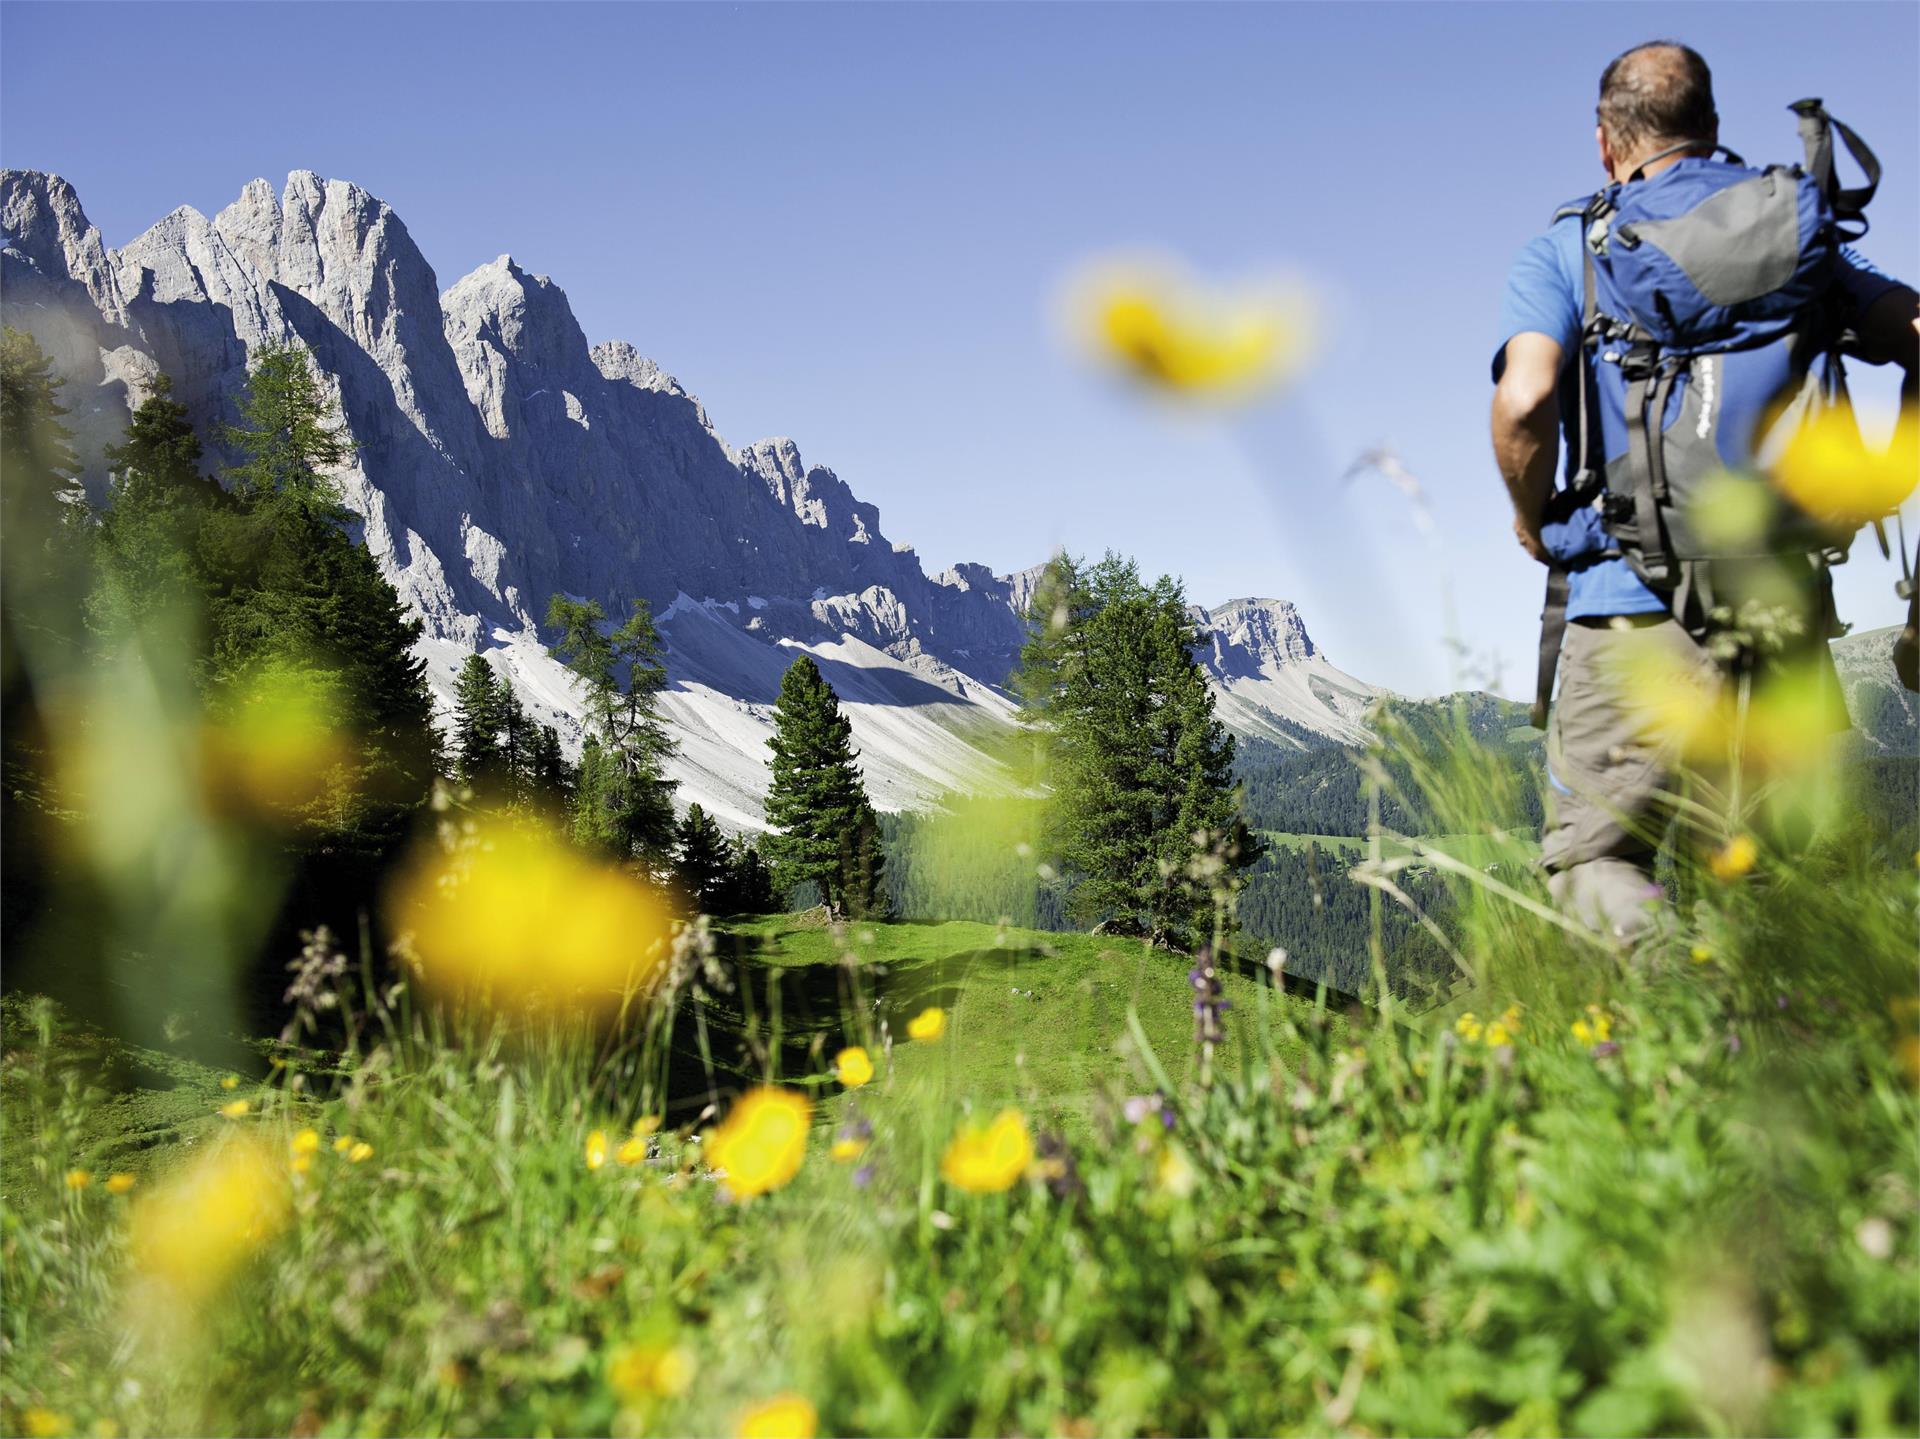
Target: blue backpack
column 1711, row 331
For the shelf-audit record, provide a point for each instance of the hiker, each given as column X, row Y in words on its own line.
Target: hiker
column 1660, row 324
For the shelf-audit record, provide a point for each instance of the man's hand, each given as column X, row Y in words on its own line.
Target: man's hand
column 1526, row 432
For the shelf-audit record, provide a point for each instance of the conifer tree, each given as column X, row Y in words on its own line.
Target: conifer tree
column 290, row 587
column 552, row 779
column 623, row 803
column 749, row 881
column 476, row 724
column 702, row 860
column 1140, row 770
column 824, row 831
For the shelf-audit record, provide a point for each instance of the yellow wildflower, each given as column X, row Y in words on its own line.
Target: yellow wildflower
column 631, row 1151
column 1735, row 858
column 343, row 1144
column 79, row 1178
column 849, row 1148
column 119, row 1183
column 307, row 1141
column 231, row 1081
column 1468, row 1027
column 302, row 1163
column 646, row 1124
column 852, row 1067
column 1596, row 1027
column 45, row 1423
column 596, row 1149
column 1829, row 471
column 1157, row 328
column 639, row 1372
column 190, row 1233
column 1498, row 1034
column 521, row 917
column 1175, row 1172
column 928, row 1025
column 763, row 1141
column 1701, row 954
column 989, row 1159
column 236, row 1109
column 360, row 1153
column 785, row 1416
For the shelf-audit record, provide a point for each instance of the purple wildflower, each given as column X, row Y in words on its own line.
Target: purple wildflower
column 863, row 1176
column 1605, row 1048
column 1209, row 1002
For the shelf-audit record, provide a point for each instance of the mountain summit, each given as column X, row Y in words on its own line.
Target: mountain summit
column 503, row 458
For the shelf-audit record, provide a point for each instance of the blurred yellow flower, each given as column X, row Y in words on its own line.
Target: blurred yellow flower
column 307, row 1141
column 281, row 752
column 1498, row 1034
column 928, row 1025
column 342, row 1144
column 231, row 1081
column 189, row 1234
column 852, row 1067
column 79, row 1178
column 360, row 1153
column 1831, row 472
column 119, row 1183
column 596, row 1149
column 1735, row 858
column 631, row 1152
column 639, row 1372
column 1596, row 1027
column 646, row 1124
column 1175, row 1172
column 785, row 1416
column 302, row 1163
column 1701, row 954
column 235, row 1109
column 763, row 1141
column 520, row 916
column 989, row 1159
column 847, row 1149
column 45, row 1423
column 1469, row 1027
column 1158, row 328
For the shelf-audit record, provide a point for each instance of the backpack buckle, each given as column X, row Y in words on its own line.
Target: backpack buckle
column 1641, row 360
column 1614, row 509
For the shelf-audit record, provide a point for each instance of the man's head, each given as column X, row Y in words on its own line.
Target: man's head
column 1652, row 98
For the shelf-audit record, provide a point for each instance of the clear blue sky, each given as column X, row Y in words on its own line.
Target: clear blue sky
column 847, row 224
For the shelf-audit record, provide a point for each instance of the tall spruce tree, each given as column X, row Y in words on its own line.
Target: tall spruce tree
column 824, row 829
column 1138, row 767
column 702, row 860
column 476, row 724
column 623, row 802
column 291, row 590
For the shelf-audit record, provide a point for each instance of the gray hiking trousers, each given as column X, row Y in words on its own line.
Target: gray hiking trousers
column 1611, row 765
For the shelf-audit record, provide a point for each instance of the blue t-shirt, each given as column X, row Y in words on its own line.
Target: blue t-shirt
column 1543, row 296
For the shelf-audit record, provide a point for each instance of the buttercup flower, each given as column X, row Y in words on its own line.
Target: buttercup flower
column 237, row 1109
column 989, row 1159
column 1829, row 471
column 119, row 1183
column 852, row 1067
column 360, row 1153
column 79, row 1178
column 851, row 1140
column 1595, row 1028
column 640, row 1372
column 45, row 1423
column 763, row 1141
column 193, row 1231
column 785, row 1416
column 1735, row 858
column 231, row 1081
column 928, row 1025
column 596, row 1149
column 343, row 1144
column 631, row 1152
column 306, row 1141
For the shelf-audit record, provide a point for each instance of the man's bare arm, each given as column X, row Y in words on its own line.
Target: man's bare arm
column 1526, row 432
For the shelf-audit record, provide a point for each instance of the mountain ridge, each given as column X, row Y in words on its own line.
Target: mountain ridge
column 504, row 457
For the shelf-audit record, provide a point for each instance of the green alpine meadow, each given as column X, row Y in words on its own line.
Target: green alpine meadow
column 526, row 915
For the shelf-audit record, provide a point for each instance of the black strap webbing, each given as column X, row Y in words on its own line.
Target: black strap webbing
column 1655, row 567
column 1553, row 630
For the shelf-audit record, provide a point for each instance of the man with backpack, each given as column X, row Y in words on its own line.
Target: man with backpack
column 1674, row 327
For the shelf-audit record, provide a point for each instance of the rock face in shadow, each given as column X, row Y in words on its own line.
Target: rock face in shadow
column 502, row 458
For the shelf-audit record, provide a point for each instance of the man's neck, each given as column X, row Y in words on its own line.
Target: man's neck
column 1649, row 168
